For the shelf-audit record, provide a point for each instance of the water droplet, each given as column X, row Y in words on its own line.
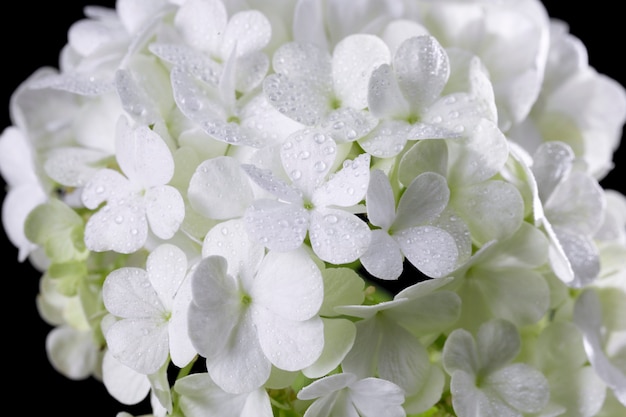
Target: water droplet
column 296, row 174
column 320, row 166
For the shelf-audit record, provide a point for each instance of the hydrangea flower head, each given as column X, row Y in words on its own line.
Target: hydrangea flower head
column 325, row 208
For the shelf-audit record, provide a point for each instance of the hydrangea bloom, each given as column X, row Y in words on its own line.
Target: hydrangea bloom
column 296, row 208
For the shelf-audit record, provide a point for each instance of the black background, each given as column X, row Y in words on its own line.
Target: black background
column 33, row 33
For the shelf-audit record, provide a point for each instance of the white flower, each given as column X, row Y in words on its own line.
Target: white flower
column 200, row 396
column 560, row 356
column 408, row 97
column 392, row 338
column 346, row 395
column 407, row 233
column 148, row 304
column 315, row 202
column 326, row 22
column 590, row 125
column 25, row 191
column 500, row 278
column 573, row 210
column 511, row 38
column 484, row 382
column 601, row 341
column 318, row 90
column 263, row 306
column 134, row 201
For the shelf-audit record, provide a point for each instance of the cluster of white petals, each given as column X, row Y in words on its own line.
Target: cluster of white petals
column 317, row 208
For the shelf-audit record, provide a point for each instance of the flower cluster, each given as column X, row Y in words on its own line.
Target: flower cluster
column 220, row 194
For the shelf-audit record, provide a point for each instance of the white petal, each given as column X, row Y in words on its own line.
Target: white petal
column 251, row 71
column 143, row 155
column 307, row 156
column 347, row 124
column 202, row 23
column 289, row 345
column 276, row 289
column 165, row 210
column 166, row 267
column 200, row 396
column 347, row 186
column 422, row 68
column 134, row 99
column 354, row 59
column 588, row 318
column 521, row 386
column 118, row 226
column 273, row 184
column 578, row 204
column 492, row 210
column 424, row 156
column 383, row 258
column 257, row 405
column 381, row 203
column 326, row 386
column 188, row 59
column 466, row 396
column 429, row 394
column 16, row 157
column 428, row 312
column 423, row 200
column 384, row 97
column 202, row 104
column 399, row 30
column 460, row 354
column 249, row 30
column 75, row 83
column 362, row 359
column 478, row 156
column 230, row 240
column 135, row 13
column 507, row 295
column 260, row 118
column 123, row 383
column 279, row 226
column 73, row 166
column 215, row 308
column 182, row 351
column 71, row 352
column 338, row 236
column 305, row 61
column 375, row 397
column 582, row 255
column 16, row 206
column 387, row 140
column 402, row 359
column 308, row 23
column 342, row 286
column 127, row 292
column 104, row 185
column 552, row 161
column 498, row 342
column 430, row 249
column 139, row 343
column 339, row 335
column 295, row 98
column 243, row 366
column 219, row 189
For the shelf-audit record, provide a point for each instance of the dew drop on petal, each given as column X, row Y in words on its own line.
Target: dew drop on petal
column 320, row 166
